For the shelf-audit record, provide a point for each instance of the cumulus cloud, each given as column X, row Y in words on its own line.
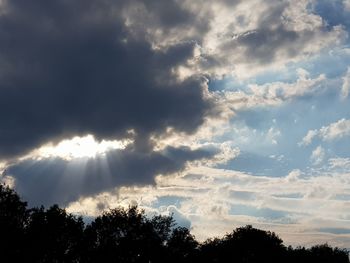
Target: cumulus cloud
column 334, row 131
column 308, row 137
column 293, row 175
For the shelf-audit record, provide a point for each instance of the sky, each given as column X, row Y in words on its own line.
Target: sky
column 221, row 113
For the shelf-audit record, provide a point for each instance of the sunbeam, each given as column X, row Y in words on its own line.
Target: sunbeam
column 79, row 147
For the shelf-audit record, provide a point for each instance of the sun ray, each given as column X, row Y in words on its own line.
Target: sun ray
column 78, row 147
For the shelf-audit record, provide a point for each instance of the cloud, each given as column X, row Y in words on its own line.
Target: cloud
column 342, row 163
column 346, row 85
column 336, row 231
column 334, row 131
column 108, row 67
column 217, row 200
column 264, row 213
column 276, row 93
column 267, row 37
column 183, row 83
column 333, row 12
column 318, row 155
column 295, row 106
column 346, row 3
column 251, row 41
column 293, row 175
column 57, row 180
column 179, row 217
column 308, row 137
column 77, row 68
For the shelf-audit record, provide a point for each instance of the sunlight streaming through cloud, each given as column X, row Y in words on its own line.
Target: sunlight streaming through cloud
column 79, row 147
column 238, row 110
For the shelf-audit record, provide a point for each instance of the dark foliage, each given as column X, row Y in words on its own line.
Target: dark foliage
column 245, row 244
column 53, row 236
column 128, row 235
column 13, row 220
column 317, row 254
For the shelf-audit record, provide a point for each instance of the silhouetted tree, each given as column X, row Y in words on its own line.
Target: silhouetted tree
column 182, row 246
column 245, row 244
column 128, row 235
column 318, row 254
column 13, row 220
column 325, row 253
column 211, row 251
column 53, row 236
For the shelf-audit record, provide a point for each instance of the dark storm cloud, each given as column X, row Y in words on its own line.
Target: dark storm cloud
column 74, row 67
column 60, row 181
column 168, row 13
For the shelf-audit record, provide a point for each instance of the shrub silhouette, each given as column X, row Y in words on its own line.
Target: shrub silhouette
column 129, row 235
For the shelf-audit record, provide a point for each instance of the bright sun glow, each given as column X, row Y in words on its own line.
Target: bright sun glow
column 79, row 147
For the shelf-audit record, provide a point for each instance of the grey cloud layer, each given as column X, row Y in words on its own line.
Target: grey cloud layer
column 73, row 67
column 60, row 181
column 104, row 67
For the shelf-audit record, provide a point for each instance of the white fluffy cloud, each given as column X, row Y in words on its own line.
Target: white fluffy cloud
column 309, row 137
column 333, row 131
column 293, row 175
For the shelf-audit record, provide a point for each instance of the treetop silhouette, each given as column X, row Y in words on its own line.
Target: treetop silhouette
column 129, row 235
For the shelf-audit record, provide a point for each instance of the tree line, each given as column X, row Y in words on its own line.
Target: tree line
column 127, row 235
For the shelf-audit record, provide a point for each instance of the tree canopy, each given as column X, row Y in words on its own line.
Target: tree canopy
column 129, row 235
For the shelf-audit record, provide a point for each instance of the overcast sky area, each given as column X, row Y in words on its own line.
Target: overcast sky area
column 223, row 113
